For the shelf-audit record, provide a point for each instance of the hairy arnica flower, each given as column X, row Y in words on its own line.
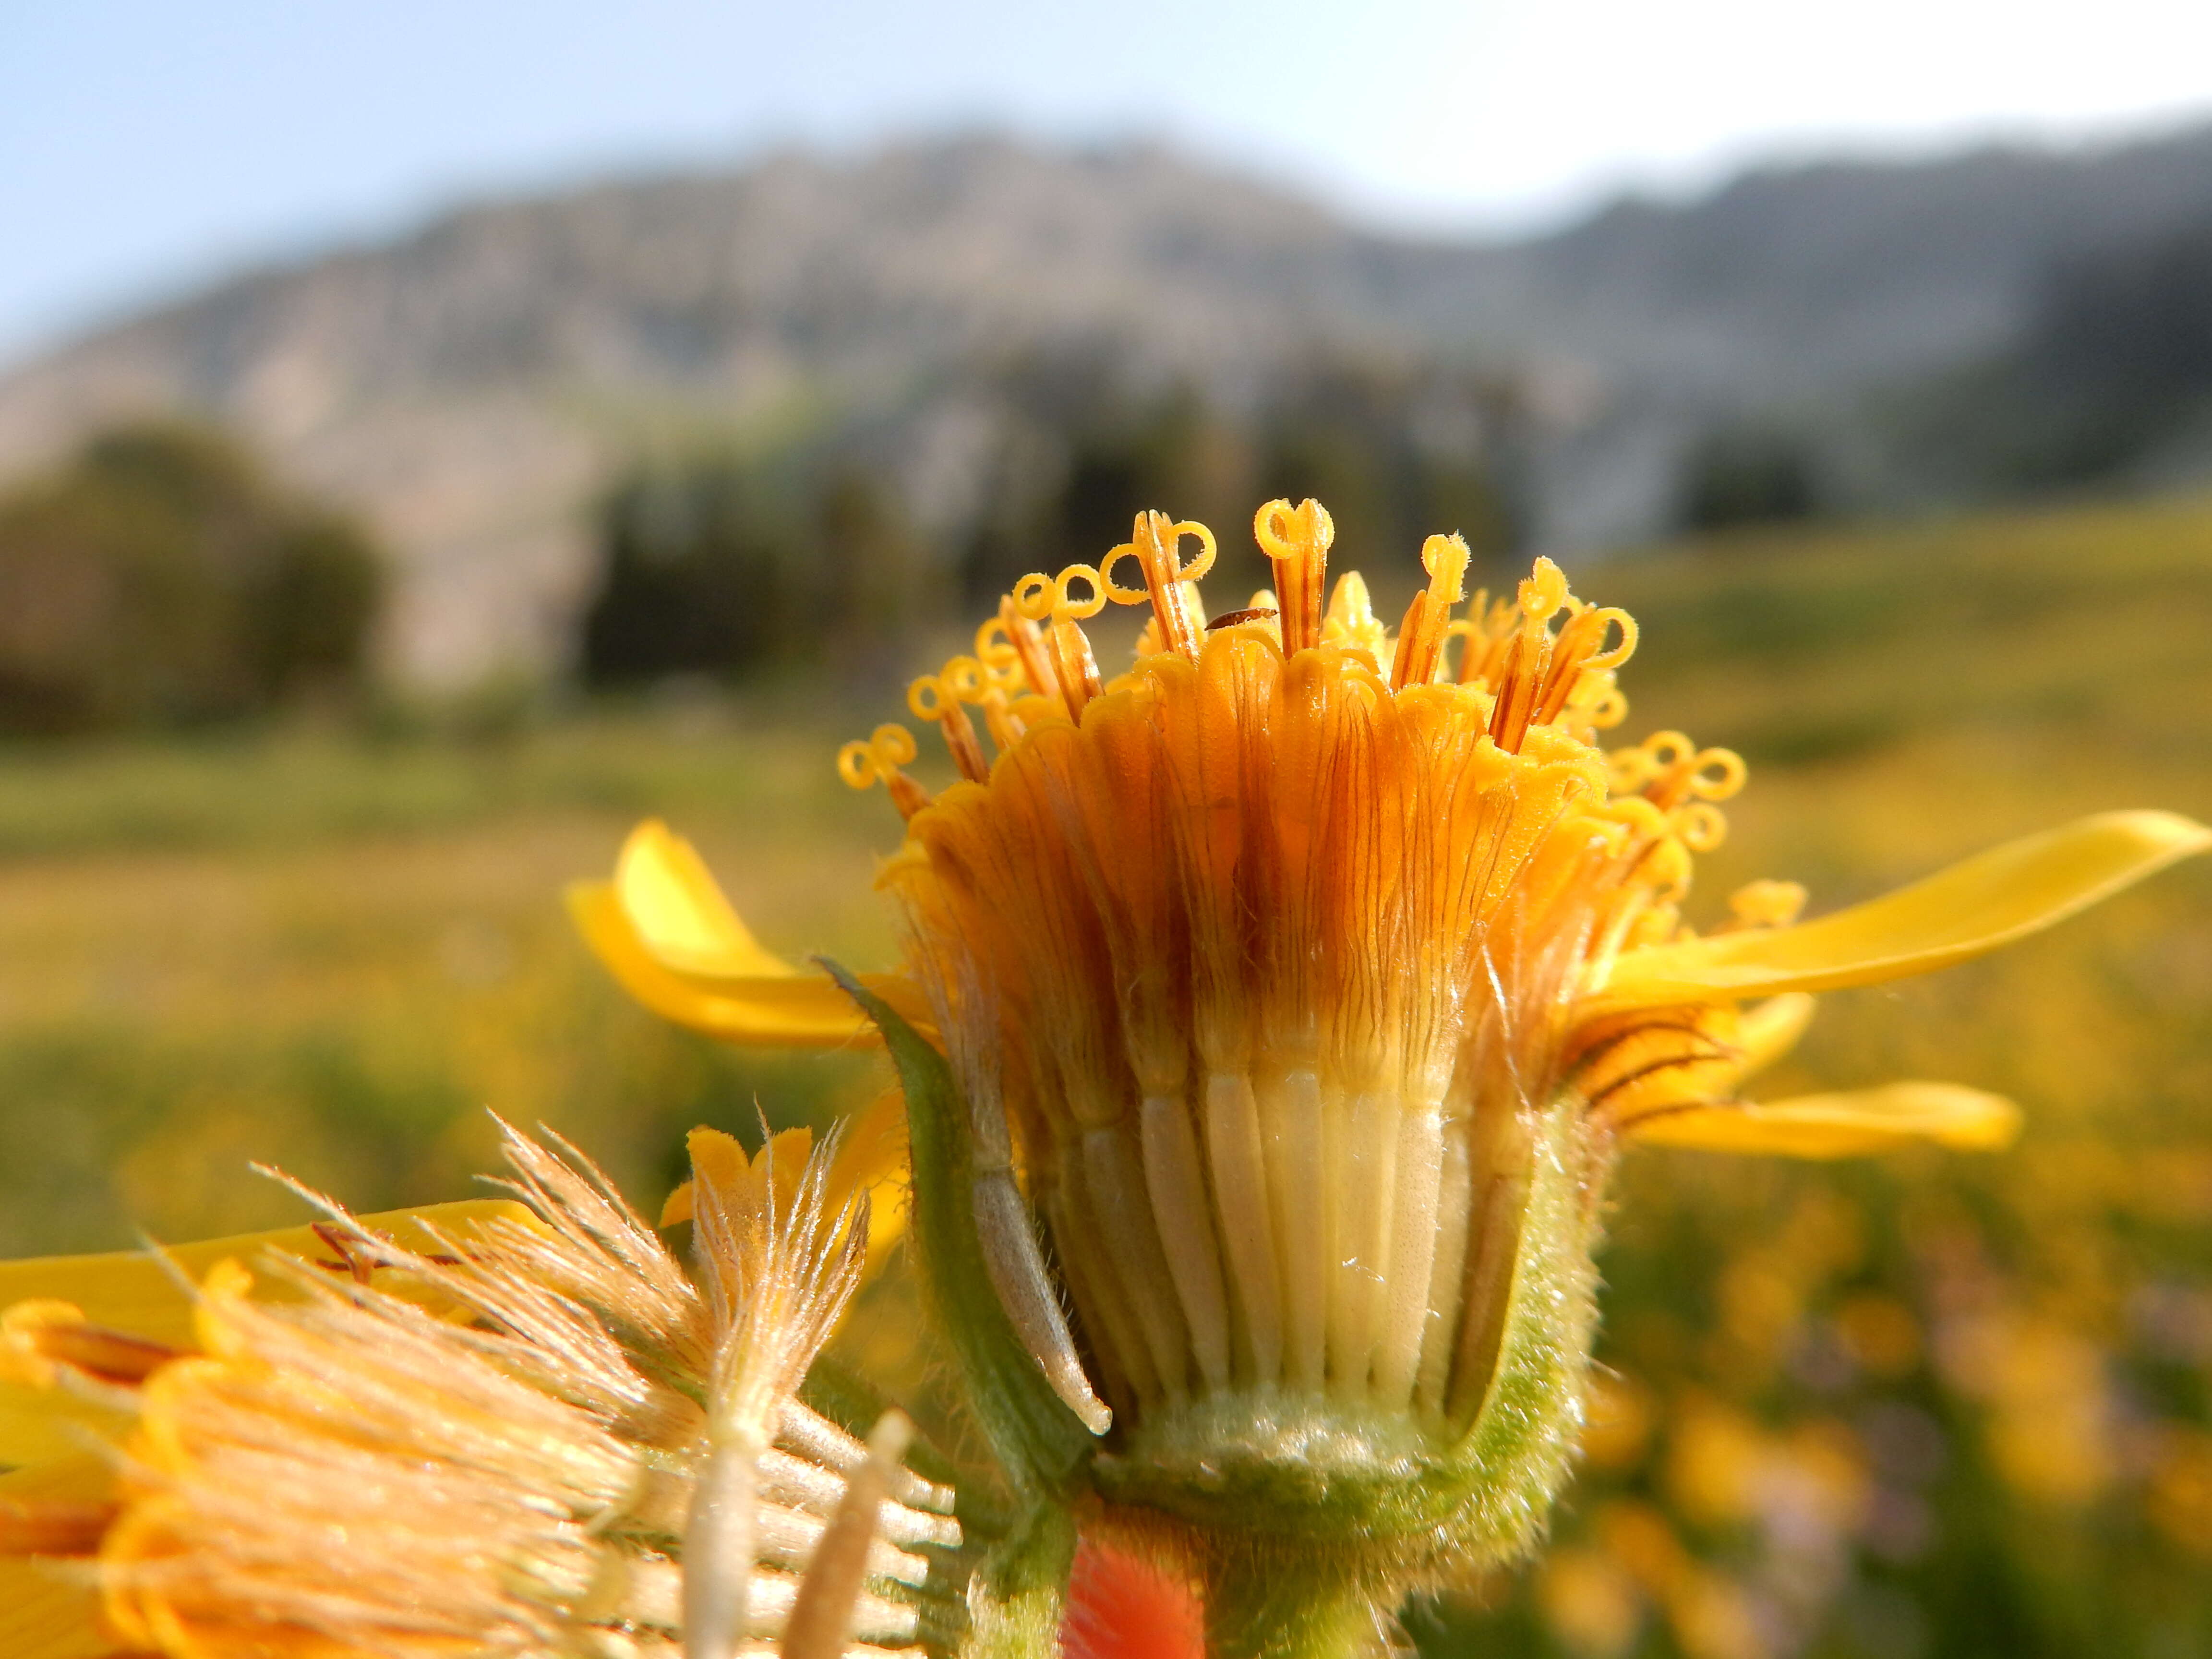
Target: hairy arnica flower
column 1271, row 1016
column 515, row 1429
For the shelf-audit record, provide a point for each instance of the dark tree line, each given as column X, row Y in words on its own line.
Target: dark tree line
column 719, row 567
column 2114, row 364
column 158, row 577
column 1746, row 474
column 729, row 567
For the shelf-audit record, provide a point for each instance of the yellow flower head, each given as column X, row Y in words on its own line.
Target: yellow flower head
column 1300, row 984
column 1245, row 947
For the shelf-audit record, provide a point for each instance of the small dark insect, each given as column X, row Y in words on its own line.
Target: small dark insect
column 1258, row 613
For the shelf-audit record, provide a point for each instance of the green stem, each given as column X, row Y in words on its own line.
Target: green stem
column 1286, row 1605
column 1020, row 1591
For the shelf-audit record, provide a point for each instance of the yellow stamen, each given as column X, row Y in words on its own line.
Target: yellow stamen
column 937, row 697
column 1026, row 640
column 1576, row 656
column 1421, row 639
column 1528, row 657
column 1351, row 622
column 1297, row 539
column 1038, row 598
column 1168, row 584
column 877, row 759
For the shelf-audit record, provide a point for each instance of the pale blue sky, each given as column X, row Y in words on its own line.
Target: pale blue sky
column 147, row 144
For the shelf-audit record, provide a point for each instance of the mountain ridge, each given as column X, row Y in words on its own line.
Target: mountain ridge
column 471, row 387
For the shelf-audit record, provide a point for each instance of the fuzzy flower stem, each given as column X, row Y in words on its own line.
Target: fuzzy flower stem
column 1021, row 1589
column 1271, row 1607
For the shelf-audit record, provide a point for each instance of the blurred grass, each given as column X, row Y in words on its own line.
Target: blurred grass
column 333, row 957
column 1926, row 1405
column 313, row 784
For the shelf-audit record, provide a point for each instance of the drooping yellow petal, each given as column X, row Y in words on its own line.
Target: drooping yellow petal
column 765, row 1182
column 682, row 922
column 1842, row 1125
column 679, row 914
column 1987, row 900
column 720, row 1159
column 805, row 1011
column 717, row 1159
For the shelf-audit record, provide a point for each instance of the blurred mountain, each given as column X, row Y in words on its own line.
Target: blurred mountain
column 475, row 387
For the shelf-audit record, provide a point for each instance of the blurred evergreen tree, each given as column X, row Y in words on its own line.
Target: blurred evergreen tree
column 727, row 568
column 1396, row 456
column 305, row 616
column 692, row 579
column 1083, row 455
column 2123, row 340
column 1740, row 475
column 158, row 577
column 730, row 568
column 872, row 567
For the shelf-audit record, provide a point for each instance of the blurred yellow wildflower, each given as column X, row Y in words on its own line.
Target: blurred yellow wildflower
column 513, row 1427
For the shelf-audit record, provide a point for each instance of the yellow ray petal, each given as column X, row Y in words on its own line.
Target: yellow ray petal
column 1988, row 901
column 1771, row 1028
column 805, row 1010
column 682, row 922
column 84, row 1477
column 870, row 1158
column 136, row 1293
column 678, row 913
column 1842, row 1125
column 45, row 1612
column 39, row 1426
